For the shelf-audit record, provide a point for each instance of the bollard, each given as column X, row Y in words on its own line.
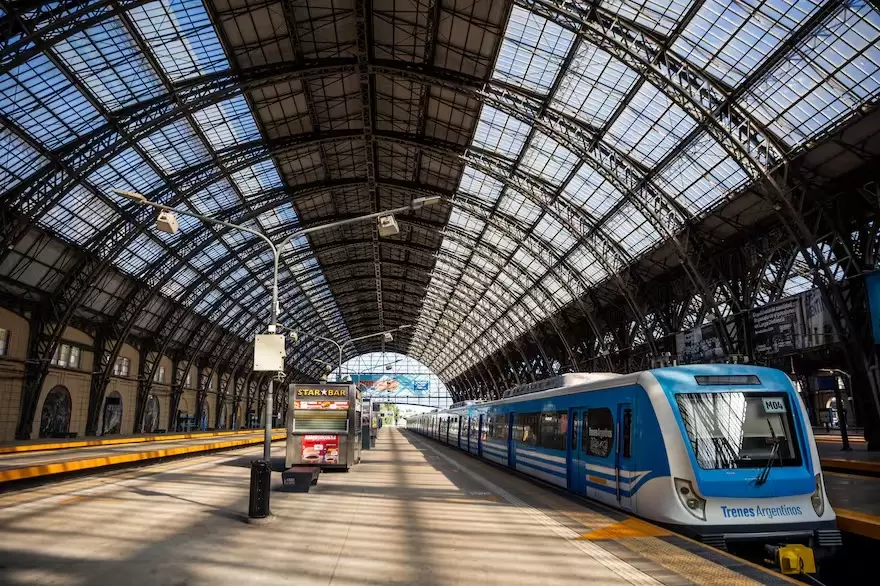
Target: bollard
column 259, row 496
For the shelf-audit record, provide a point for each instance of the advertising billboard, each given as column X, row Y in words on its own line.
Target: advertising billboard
column 776, row 327
column 392, row 385
column 320, row 449
column 872, row 286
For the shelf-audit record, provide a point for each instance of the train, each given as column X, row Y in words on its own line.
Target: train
column 723, row 453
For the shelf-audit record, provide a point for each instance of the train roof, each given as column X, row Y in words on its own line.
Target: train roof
column 610, row 380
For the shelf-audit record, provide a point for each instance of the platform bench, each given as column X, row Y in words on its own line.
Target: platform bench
column 299, row 478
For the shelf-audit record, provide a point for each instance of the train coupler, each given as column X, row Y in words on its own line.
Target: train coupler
column 791, row 559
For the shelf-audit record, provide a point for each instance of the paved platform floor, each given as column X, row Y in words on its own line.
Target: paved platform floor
column 412, row 512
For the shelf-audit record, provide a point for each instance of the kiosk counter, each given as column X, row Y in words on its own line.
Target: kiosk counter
column 323, row 427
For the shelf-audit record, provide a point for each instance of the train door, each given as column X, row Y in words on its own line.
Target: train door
column 480, row 432
column 624, row 455
column 576, row 474
column 511, row 441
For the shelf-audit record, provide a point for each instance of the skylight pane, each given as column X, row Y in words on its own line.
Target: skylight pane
column 499, row 133
column 228, row 123
column 175, row 146
column 17, row 160
column 730, row 38
column 702, row 174
column 532, row 51
column 548, row 159
column 79, row 215
column 40, row 100
column 182, row 37
column 480, row 185
column 516, row 205
column 658, row 15
column 109, row 63
column 592, row 192
column 258, row 178
column 630, row 228
column 651, row 125
column 828, row 75
column 593, row 86
column 216, row 197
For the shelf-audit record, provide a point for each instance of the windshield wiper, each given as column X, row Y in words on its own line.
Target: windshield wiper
column 765, row 473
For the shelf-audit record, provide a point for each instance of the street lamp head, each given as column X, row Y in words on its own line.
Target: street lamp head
column 421, row 202
column 167, row 222
column 293, row 336
column 132, row 195
column 388, row 226
column 388, row 337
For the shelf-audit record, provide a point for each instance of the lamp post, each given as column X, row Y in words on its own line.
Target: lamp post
column 387, row 334
column 167, row 222
column 841, row 406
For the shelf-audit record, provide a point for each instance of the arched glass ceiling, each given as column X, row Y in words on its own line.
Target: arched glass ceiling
column 395, row 378
column 575, row 137
column 831, row 68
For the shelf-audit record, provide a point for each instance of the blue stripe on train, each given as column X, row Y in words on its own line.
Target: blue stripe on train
column 540, row 468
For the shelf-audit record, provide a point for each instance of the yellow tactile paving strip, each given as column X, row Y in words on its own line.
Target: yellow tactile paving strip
column 855, row 465
column 641, row 537
column 42, row 446
column 25, row 472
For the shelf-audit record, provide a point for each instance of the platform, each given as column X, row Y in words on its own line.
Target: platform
column 42, row 445
column 58, row 460
column 411, row 513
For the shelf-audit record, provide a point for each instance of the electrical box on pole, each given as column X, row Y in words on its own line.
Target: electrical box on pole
column 269, row 353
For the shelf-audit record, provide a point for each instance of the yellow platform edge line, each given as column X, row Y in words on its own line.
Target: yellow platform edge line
column 845, row 464
column 858, row 523
column 74, row 465
column 45, row 447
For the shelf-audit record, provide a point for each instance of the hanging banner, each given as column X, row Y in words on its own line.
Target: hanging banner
column 817, row 320
column 776, row 327
column 872, row 286
column 699, row 345
column 392, row 385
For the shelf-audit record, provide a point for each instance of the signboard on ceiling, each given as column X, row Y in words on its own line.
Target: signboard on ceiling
column 700, row 344
column 776, row 327
column 872, row 286
column 392, row 385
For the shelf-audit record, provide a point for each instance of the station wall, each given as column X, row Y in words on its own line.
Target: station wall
column 67, row 388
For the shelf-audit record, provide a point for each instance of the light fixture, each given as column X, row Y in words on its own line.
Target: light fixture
column 133, row 195
column 388, row 337
column 388, row 226
column 421, row 202
column 167, row 222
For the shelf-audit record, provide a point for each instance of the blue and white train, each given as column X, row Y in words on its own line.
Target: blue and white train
column 724, row 453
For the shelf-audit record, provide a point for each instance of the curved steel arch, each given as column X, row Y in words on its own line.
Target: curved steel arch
column 545, row 3
column 526, row 117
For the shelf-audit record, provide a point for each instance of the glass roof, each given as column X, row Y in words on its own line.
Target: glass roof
column 551, row 158
column 829, row 73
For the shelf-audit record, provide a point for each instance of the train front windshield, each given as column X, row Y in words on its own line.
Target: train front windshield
column 739, row 430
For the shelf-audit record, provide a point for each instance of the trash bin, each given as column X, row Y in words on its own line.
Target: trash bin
column 259, row 496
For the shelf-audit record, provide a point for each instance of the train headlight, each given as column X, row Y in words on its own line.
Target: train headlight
column 689, row 498
column 817, row 499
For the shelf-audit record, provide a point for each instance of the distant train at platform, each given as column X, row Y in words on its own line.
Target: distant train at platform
column 723, row 453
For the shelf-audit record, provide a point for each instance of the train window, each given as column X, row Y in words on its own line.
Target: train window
column 739, row 430
column 554, row 425
column 599, row 436
column 528, row 428
column 627, row 433
column 498, row 427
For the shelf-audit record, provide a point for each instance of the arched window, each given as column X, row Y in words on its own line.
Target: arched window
column 112, row 414
column 55, row 418
column 151, row 415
